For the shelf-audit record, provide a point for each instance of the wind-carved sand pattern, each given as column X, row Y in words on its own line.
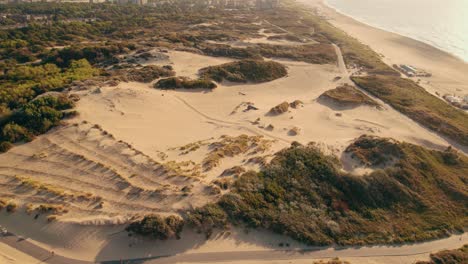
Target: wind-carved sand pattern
column 98, row 179
column 210, row 158
column 86, row 170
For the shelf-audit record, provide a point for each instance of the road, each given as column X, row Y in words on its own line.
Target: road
column 45, row 256
column 341, row 62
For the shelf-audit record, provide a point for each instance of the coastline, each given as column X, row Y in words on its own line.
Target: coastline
column 448, row 71
column 363, row 21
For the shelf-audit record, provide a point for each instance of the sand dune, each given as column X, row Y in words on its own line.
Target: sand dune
column 135, row 150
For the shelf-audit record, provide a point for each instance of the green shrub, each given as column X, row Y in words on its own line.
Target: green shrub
column 302, row 193
column 158, row 227
column 15, row 133
column 5, row 146
column 149, row 73
column 455, row 256
column 39, row 115
column 184, row 83
column 245, row 71
column 11, row 207
column 347, row 95
column 207, row 218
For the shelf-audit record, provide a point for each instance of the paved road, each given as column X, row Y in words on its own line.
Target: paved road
column 45, row 256
column 37, row 252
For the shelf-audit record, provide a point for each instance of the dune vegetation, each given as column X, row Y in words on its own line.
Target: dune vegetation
column 184, row 83
column 412, row 100
column 311, row 53
column 149, row 73
column 32, row 119
column 157, row 227
column 303, row 194
column 347, row 95
column 448, row 256
column 243, row 71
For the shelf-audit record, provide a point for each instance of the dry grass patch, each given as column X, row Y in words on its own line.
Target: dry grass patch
column 233, row 146
column 149, row 73
column 455, row 256
column 279, row 109
column 415, row 102
column 183, row 168
column 233, row 171
column 55, row 190
column 348, row 96
column 51, row 209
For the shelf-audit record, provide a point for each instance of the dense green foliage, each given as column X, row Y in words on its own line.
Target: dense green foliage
column 374, row 151
column 303, row 194
column 22, row 83
column 414, row 101
column 246, row 71
column 184, row 83
column 34, row 118
column 21, row 116
column 103, row 54
column 316, row 53
column 157, row 227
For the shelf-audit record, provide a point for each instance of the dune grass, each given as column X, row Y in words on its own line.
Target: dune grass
column 412, row 100
column 242, row 71
column 303, row 194
column 454, row 256
column 347, row 95
column 184, row 83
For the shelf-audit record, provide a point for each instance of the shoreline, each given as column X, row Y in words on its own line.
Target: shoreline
column 448, row 71
column 362, row 20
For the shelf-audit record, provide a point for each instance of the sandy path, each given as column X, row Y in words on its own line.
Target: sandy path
column 341, row 62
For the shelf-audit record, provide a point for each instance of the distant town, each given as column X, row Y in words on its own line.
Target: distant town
column 214, row 3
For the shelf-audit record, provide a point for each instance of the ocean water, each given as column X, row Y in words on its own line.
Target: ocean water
column 443, row 24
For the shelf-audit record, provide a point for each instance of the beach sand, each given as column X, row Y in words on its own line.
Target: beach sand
column 449, row 73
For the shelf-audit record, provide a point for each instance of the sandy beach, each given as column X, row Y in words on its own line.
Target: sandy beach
column 128, row 147
column 448, row 72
